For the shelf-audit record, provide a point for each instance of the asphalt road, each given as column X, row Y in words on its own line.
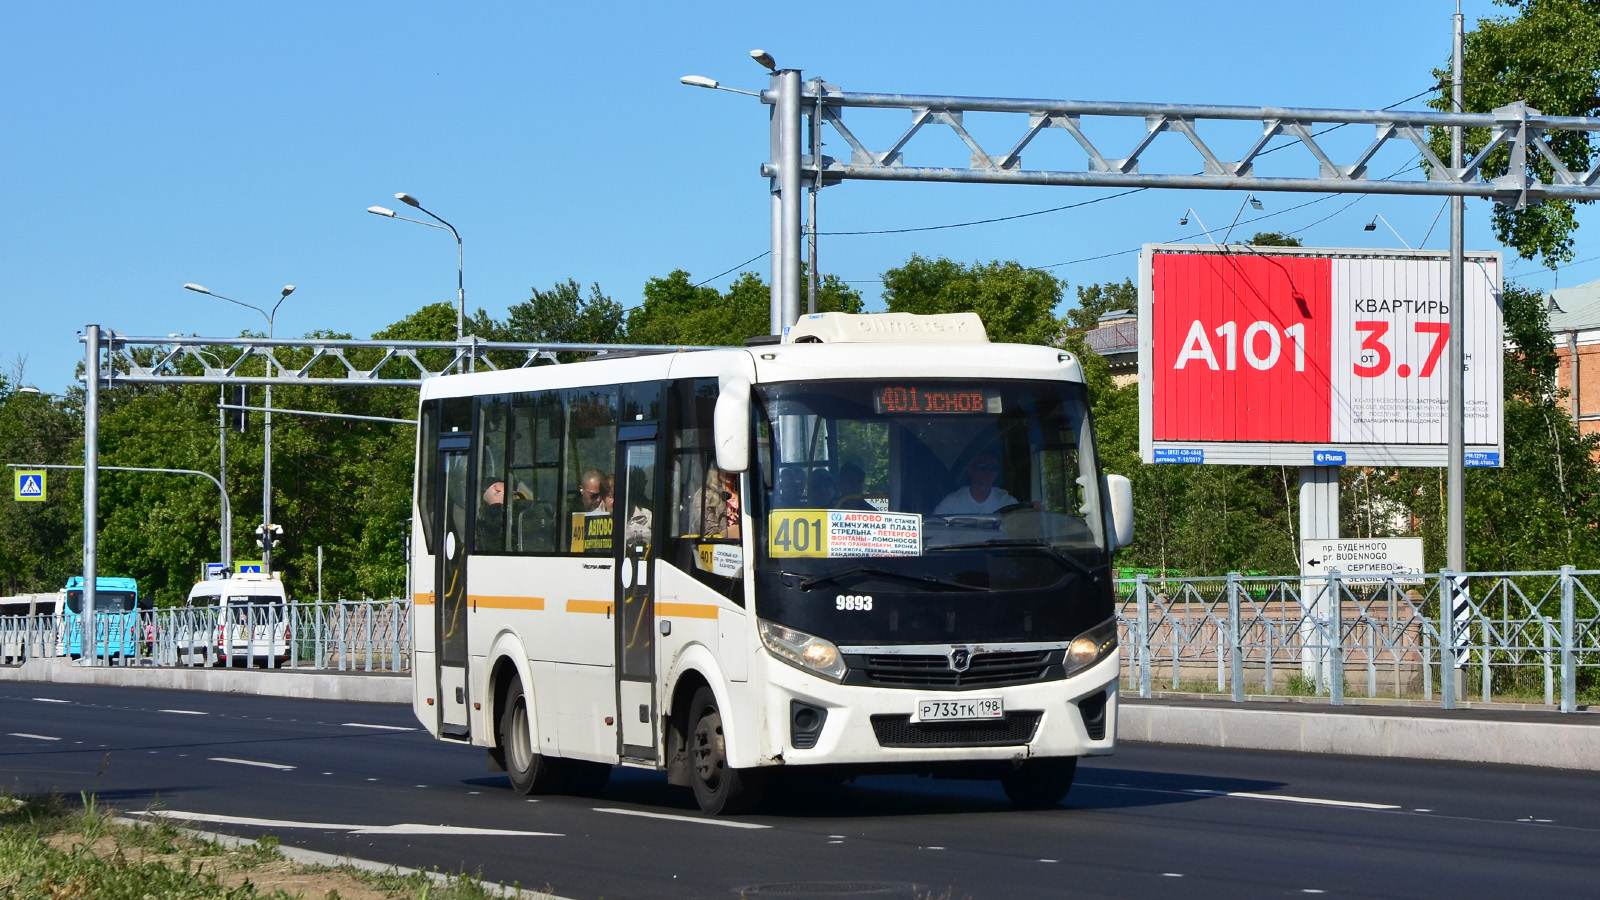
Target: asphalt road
column 1148, row 822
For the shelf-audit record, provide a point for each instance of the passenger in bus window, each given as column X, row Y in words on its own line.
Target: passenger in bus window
column 492, row 518
column 852, row 488
column 591, row 490
column 607, row 494
column 979, row 494
column 730, row 526
column 822, row 493
column 791, row 493
column 708, row 507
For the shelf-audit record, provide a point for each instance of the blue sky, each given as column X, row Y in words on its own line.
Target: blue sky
column 238, row 145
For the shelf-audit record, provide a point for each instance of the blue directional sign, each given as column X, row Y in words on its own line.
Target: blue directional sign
column 29, row 485
column 1327, row 457
column 1192, row 455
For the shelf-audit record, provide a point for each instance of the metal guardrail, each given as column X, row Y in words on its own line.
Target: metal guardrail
column 342, row 635
column 1516, row 635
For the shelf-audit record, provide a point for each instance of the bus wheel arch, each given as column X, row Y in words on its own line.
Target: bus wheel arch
column 530, row 772
column 719, row 787
column 501, row 677
column 678, row 725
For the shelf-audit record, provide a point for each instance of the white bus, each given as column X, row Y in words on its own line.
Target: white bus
column 881, row 545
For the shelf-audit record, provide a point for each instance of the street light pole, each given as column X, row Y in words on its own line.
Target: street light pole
column 461, row 292
column 266, row 461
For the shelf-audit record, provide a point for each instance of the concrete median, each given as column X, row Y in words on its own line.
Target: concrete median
column 1512, row 737
column 318, row 684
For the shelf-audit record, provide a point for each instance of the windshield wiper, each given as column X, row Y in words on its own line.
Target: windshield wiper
column 1050, row 550
column 807, row 583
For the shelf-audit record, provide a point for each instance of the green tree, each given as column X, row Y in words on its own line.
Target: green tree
column 1016, row 303
column 677, row 311
column 40, row 542
column 1273, row 239
column 1547, row 55
column 1095, row 300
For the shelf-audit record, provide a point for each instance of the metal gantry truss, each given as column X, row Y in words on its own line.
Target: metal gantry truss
column 331, row 361
column 1522, row 133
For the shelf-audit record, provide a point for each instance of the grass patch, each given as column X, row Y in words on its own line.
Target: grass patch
column 52, row 848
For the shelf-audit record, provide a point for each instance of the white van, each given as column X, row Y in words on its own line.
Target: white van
column 243, row 618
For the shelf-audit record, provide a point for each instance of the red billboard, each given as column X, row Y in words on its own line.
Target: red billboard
column 1308, row 357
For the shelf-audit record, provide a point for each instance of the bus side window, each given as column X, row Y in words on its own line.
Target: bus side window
column 535, row 483
column 591, row 446
column 493, row 492
column 428, row 469
column 704, row 503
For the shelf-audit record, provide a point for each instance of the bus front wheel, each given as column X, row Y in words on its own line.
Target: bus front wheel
column 719, row 788
column 530, row 772
column 1040, row 783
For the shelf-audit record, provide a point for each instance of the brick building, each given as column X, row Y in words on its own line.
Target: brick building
column 1575, row 321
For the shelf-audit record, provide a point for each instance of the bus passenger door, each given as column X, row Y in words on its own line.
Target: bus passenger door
column 636, row 621
column 450, row 585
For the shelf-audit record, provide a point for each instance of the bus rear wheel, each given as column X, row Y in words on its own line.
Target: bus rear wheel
column 1040, row 783
column 530, row 772
column 719, row 788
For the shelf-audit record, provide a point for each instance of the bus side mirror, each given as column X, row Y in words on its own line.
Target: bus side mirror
column 731, row 424
column 1119, row 495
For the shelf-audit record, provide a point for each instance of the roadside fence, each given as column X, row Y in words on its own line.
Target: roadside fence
column 341, row 635
column 1526, row 636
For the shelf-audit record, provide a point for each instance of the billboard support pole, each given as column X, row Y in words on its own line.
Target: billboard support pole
column 1319, row 520
column 1456, row 524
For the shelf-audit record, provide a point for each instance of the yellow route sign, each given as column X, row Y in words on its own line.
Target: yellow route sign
column 29, row 485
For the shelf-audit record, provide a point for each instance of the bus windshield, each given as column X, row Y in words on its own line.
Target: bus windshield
column 965, row 510
column 104, row 601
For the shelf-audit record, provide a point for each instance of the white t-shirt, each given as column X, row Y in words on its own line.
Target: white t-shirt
column 959, row 502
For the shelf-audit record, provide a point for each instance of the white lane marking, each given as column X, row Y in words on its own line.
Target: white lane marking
column 379, row 727
column 184, row 712
column 1171, row 874
column 403, row 828
column 251, row 762
column 695, row 819
column 933, row 848
column 36, row 737
column 51, row 700
column 1049, row 860
column 1288, row 798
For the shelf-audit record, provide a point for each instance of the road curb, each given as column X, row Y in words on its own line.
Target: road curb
column 360, row 687
column 1551, row 745
column 333, row 860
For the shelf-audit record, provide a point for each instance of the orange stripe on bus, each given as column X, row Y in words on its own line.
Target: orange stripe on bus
column 687, row 610
column 508, row 602
column 423, row 599
column 590, row 606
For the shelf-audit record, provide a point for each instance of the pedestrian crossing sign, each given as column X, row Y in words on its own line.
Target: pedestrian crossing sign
column 29, row 485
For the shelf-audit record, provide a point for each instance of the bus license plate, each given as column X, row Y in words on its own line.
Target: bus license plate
column 965, row 709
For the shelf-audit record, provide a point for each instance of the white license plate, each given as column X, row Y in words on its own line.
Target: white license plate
column 965, row 709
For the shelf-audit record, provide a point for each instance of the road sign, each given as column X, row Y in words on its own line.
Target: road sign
column 29, row 485
column 1274, row 356
column 216, row 571
column 243, row 566
column 1360, row 559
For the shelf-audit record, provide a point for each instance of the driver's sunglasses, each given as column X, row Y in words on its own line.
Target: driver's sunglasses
column 591, row 495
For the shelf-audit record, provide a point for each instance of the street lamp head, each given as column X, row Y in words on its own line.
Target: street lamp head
column 764, row 58
column 30, row 389
column 198, row 289
column 1184, row 220
column 1371, row 226
column 408, row 200
column 699, row 81
column 1254, row 203
column 287, row 290
column 381, row 211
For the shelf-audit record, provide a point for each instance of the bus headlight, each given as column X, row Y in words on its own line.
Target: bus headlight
column 1092, row 646
column 802, row 650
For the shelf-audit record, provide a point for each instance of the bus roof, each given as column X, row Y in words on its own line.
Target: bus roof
column 105, row 583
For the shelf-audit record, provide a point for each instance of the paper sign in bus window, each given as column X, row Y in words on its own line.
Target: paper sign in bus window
column 843, row 533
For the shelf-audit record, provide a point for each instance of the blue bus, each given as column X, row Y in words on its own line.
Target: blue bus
column 116, row 602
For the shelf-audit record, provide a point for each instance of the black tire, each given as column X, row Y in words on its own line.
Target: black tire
column 530, row 772
column 1040, row 783
column 720, row 789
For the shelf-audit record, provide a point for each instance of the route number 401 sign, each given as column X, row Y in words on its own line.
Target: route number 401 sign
column 1297, row 356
